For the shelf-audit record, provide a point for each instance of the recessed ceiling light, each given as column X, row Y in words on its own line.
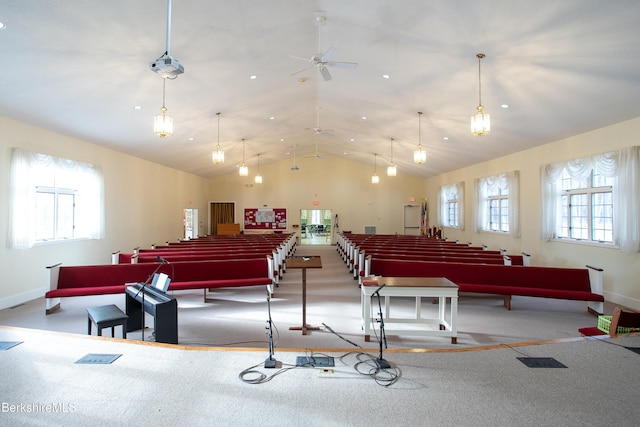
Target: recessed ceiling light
column 190, row 138
column 505, row 106
column 253, row 77
column 446, row 138
column 137, row 107
column 364, row 117
column 272, row 118
column 281, row 139
column 385, row 76
column 352, row 140
column 2, row 26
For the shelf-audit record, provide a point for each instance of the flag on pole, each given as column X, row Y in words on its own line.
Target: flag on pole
column 424, row 218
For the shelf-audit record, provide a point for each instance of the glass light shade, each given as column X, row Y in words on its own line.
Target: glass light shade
column 420, row 155
column 258, row 179
column 218, row 155
column 244, row 171
column 480, row 123
column 392, row 170
column 163, row 124
column 375, row 178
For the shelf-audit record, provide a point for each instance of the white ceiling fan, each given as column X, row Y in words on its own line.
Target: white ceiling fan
column 316, row 155
column 323, row 60
column 318, row 130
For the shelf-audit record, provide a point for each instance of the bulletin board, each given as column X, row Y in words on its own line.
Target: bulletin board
column 265, row 219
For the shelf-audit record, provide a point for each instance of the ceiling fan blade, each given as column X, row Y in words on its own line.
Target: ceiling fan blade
column 325, row 73
column 301, row 71
column 300, row 58
column 330, row 53
column 338, row 64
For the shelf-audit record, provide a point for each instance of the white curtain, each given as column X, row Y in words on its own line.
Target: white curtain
column 449, row 192
column 507, row 181
column 624, row 165
column 29, row 170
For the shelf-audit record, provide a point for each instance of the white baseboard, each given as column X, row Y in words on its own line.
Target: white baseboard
column 14, row 300
column 631, row 303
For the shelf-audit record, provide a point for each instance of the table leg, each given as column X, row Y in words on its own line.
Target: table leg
column 304, row 328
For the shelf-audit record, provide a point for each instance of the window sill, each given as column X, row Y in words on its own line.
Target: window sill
column 603, row 245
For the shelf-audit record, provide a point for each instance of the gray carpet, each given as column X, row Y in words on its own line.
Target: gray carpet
column 479, row 381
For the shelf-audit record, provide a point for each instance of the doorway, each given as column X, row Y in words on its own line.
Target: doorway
column 316, row 227
column 221, row 213
column 190, row 223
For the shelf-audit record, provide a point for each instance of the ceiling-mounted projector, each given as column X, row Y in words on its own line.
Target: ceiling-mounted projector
column 295, row 168
column 167, row 67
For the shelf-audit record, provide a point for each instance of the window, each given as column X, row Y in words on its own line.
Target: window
column 594, row 199
column 452, row 205
column 53, row 199
column 497, row 203
column 586, row 207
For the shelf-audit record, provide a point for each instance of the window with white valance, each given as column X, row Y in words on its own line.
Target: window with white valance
column 53, row 199
column 498, row 203
column 603, row 193
column 451, row 209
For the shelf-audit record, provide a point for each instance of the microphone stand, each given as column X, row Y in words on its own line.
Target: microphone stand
column 380, row 362
column 271, row 362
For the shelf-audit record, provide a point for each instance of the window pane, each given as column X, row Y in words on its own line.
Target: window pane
column 452, row 213
column 602, row 207
column 494, row 215
column 579, row 210
column 563, row 228
column 602, row 181
column 45, row 209
column 504, row 215
column 65, row 216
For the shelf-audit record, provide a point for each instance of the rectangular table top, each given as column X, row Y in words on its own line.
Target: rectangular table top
column 304, row 262
column 409, row 282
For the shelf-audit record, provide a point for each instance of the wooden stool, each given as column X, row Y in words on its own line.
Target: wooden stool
column 107, row 316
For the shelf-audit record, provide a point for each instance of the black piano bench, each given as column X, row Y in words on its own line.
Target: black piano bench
column 107, row 316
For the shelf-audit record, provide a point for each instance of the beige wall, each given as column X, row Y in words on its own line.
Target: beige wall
column 336, row 183
column 621, row 270
column 143, row 200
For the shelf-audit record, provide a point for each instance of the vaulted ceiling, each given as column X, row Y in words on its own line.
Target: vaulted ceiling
column 79, row 67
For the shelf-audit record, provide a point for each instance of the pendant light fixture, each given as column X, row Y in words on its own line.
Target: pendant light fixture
column 163, row 123
column 244, row 170
column 218, row 155
column 480, row 121
column 392, row 169
column 258, row 178
column 420, row 155
column 375, row 178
